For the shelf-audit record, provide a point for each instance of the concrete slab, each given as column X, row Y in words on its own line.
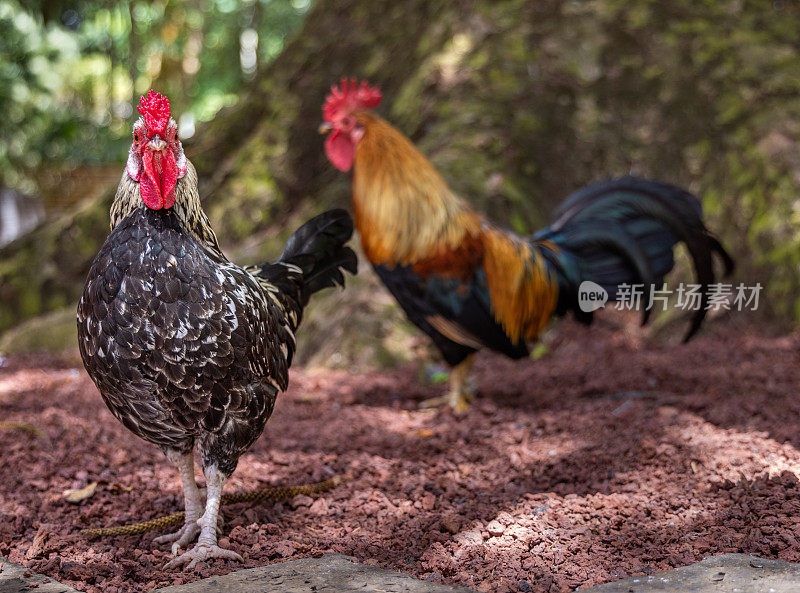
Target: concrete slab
column 12, row 580
column 332, row 573
column 727, row 573
column 335, row 573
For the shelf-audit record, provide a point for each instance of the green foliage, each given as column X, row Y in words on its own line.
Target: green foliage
column 55, row 333
column 70, row 72
column 40, row 125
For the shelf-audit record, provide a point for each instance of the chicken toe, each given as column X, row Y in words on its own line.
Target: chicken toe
column 206, row 547
column 181, row 538
column 462, row 390
column 201, row 553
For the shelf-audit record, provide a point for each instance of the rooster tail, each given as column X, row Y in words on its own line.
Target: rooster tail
column 315, row 257
column 623, row 231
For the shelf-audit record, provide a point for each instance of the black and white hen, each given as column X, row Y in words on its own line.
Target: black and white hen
column 188, row 349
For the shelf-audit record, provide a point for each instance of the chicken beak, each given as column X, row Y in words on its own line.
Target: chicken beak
column 324, row 128
column 156, row 144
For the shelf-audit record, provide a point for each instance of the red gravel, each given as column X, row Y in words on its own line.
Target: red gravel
column 610, row 456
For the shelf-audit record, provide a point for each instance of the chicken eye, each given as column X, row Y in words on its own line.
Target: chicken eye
column 136, row 137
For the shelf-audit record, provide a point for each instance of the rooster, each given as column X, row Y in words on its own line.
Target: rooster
column 469, row 284
column 188, row 349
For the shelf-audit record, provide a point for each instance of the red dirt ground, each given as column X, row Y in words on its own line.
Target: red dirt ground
column 610, row 456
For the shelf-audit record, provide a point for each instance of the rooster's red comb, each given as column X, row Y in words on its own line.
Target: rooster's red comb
column 350, row 97
column 155, row 110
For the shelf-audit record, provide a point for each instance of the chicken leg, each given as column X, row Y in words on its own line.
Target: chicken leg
column 206, row 546
column 461, row 393
column 192, row 500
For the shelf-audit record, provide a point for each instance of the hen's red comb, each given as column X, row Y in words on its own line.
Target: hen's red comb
column 155, row 110
column 350, row 97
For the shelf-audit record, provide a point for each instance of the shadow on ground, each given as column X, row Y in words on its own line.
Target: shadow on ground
column 610, row 456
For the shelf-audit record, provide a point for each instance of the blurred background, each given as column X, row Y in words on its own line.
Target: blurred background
column 71, row 73
column 517, row 103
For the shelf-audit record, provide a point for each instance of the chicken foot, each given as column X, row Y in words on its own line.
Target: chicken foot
column 206, row 546
column 461, row 392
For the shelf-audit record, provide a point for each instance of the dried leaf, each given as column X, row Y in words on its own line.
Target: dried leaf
column 77, row 495
column 424, row 433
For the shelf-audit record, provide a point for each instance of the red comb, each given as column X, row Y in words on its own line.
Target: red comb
column 350, row 97
column 155, row 110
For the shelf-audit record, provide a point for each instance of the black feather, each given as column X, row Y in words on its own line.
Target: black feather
column 178, row 369
column 318, row 248
column 315, row 257
column 624, row 231
column 188, row 348
column 465, row 304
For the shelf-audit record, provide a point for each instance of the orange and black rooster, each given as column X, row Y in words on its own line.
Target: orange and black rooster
column 188, row 349
column 469, row 284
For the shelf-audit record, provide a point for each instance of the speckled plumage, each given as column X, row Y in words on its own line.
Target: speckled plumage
column 189, row 350
column 185, row 346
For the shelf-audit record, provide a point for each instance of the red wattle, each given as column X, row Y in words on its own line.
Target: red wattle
column 157, row 185
column 151, row 195
column 340, row 150
column 169, row 177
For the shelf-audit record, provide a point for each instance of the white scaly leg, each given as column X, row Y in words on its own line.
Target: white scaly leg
column 192, row 500
column 206, row 546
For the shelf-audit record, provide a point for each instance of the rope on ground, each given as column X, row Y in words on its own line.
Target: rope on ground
column 22, row 426
column 268, row 494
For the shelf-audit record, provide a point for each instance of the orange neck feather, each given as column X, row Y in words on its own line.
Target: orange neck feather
column 404, row 210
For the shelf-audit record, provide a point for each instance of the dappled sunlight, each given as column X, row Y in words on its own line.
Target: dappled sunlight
column 21, row 382
column 569, row 478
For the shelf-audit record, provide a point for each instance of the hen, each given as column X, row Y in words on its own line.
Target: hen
column 188, row 349
column 469, row 284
